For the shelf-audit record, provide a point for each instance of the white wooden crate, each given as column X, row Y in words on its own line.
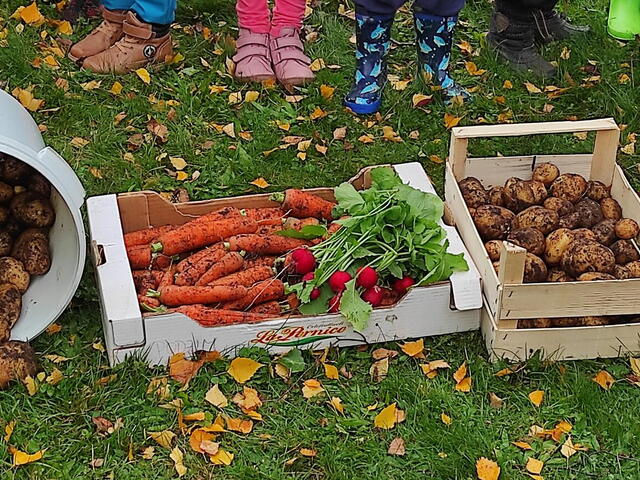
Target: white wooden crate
column 446, row 307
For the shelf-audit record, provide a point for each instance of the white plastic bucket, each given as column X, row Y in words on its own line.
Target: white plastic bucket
column 48, row 295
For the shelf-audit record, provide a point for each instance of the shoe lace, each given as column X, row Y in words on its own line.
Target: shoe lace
column 541, row 24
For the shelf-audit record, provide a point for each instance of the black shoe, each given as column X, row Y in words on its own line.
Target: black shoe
column 551, row 26
column 514, row 41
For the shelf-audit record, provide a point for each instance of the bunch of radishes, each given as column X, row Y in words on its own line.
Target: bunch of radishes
column 302, row 262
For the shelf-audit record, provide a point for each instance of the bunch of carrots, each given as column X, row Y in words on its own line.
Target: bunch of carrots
column 219, row 269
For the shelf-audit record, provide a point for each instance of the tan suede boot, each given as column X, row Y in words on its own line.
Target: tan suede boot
column 103, row 37
column 138, row 47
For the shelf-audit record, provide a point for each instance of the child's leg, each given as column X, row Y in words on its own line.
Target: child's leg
column 156, row 12
column 117, row 4
column 374, row 19
column 253, row 15
column 290, row 64
column 253, row 58
column 435, row 21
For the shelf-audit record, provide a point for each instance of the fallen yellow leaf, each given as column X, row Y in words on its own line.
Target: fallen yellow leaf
column 336, row 403
column 327, row 92
column 222, row 457
column 367, row 138
column 308, row 452
column 22, row 458
column 464, row 385
column 92, row 85
column 460, row 373
column 8, row 430
column 143, row 74
column 536, row 397
column 388, row 133
column 507, row 85
column 26, row 98
column 414, row 349
column 604, row 379
column 197, row 437
column 534, row 465
column 79, row 142
column 163, row 438
column 229, row 130
column 116, row 88
column 531, row 88
column 260, row 183
column 634, row 363
column 446, row 419
column 487, row 469
column 387, row 417
column 251, row 96
column 397, row 447
column 317, row 114
column 420, row 100
column 451, row 121
column 194, row 417
column 522, row 445
column 568, row 449
column 30, row 383
column 242, row 369
column 317, row 65
column 178, row 163
column 311, row 388
column 181, row 176
column 31, row 15
column 55, row 377
column 215, row 397
column 472, row 69
column 330, row 371
column 177, row 456
column 247, row 400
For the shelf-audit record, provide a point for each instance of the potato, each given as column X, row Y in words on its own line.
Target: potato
column 569, row 221
column 6, row 243
column 493, row 222
column 4, row 214
column 535, row 270
column 624, row 251
column 530, row 239
column 32, row 249
column 13, row 171
column 12, row 271
column 17, row 361
column 495, row 196
column 509, row 197
column 621, row 272
column 496, row 266
column 12, row 227
column 566, row 322
column 597, row 190
column 534, row 323
column 634, row 269
column 494, row 247
column 589, row 212
column 611, row 209
column 521, row 194
column 557, row 275
column 584, row 234
column 545, row 173
column 475, row 198
column 37, row 183
column 586, row 257
column 560, row 205
column 594, row 321
column 605, row 232
column 33, row 210
column 472, row 211
column 627, row 229
column 569, row 186
column 539, row 191
column 470, row 183
column 537, row 217
column 10, row 303
column 556, row 244
column 592, row 276
column 6, row 193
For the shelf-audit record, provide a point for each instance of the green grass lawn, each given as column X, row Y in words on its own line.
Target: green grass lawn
column 59, row 418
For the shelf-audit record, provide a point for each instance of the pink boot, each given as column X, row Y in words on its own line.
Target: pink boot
column 290, row 63
column 252, row 58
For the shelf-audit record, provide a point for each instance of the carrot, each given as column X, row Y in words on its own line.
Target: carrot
column 268, row 229
column 293, row 301
column 263, row 244
column 196, row 257
column 304, row 204
column 271, row 308
column 225, row 212
column 139, row 256
column 146, row 279
column 334, row 227
column 265, row 291
column 268, row 261
column 148, row 302
column 190, row 275
column 230, row 263
column 175, row 295
column 298, row 223
column 267, row 213
column 247, row 277
column 159, row 261
column 168, row 278
column 212, row 317
column 196, row 234
column 145, row 236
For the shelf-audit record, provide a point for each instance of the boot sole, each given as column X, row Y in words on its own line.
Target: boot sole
column 363, row 109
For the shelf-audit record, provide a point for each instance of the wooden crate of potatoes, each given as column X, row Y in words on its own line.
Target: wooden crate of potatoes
column 554, row 238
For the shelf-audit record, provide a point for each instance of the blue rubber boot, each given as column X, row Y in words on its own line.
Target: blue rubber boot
column 434, row 37
column 373, row 38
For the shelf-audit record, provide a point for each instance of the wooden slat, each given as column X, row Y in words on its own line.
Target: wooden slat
column 458, row 156
column 605, row 151
column 519, row 129
column 626, row 196
column 571, row 299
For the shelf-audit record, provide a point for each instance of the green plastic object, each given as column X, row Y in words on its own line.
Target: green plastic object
column 624, row 19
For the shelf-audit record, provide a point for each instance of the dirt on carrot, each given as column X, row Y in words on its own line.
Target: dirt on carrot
column 228, row 264
column 297, row 203
column 246, row 277
column 145, row 236
column 268, row 308
column 213, row 317
column 263, row 244
column 191, row 274
column 175, row 295
column 265, row 291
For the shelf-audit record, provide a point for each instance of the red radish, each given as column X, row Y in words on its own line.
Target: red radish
column 338, row 279
column 403, row 284
column 315, row 293
column 367, row 277
column 334, row 303
column 303, row 261
column 373, row 295
column 307, row 277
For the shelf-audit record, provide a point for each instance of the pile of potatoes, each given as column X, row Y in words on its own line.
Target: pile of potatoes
column 571, row 228
column 26, row 215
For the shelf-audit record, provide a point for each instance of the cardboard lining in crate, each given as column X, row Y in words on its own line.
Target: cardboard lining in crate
column 445, row 307
column 507, row 297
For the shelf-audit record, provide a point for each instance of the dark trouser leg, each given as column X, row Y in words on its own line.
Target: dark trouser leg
column 523, row 9
column 435, row 21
